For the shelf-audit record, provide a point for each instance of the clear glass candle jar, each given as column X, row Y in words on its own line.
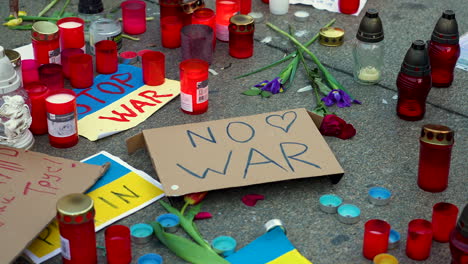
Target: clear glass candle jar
column 105, row 29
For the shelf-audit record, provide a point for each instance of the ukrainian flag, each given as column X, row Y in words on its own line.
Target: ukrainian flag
column 273, row 247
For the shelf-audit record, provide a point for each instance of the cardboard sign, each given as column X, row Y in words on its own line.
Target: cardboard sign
column 119, row 101
column 120, row 192
column 30, row 185
column 237, row 152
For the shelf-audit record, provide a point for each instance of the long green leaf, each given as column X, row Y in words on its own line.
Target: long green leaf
column 186, row 249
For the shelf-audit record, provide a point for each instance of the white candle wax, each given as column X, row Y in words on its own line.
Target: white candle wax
column 60, row 98
column 279, row 7
column 369, row 74
column 70, row 24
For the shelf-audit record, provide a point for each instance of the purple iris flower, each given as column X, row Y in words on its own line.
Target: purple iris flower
column 273, row 87
column 340, row 98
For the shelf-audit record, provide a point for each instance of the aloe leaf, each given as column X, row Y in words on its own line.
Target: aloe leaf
column 186, row 249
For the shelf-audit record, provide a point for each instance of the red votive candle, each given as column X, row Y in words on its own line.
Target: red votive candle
column 444, row 219
column 30, row 71
column 81, row 71
column 75, row 216
column 71, row 33
column 65, row 57
column 194, row 86
column 154, row 71
column 241, row 32
column 206, row 16
column 106, row 57
column 45, row 42
column 170, row 32
column 37, row 93
column 62, row 118
column 266, row 1
column 225, row 9
column 51, row 75
column 118, row 245
column 348, row 6
column 169, row 8
column 419, row 241
column 376, row 233
column 134, row 16
column 245, row 6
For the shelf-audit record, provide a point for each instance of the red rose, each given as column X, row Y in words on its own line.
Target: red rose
column 334, row 126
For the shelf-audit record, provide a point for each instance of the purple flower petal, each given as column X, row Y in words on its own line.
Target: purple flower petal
column 261, row 84
column 274, row 86
column 203, row 215
column 251, row 199
column 356, row 101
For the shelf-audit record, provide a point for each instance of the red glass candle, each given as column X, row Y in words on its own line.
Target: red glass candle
column 444, row 219
column 37, row 93
column 266, row 1
column 435, row 151
column 154, row 71
column 45, row 42
column 245, row 6
column 169, row 8
column 241, row 32
column 106, row 57
column 118, row 245
column 51, row 75
column 348, row 6
column 62, row 119
column 170, row 32
column 419, row 241
column 30, row 71
column 65, row 57
column 71, row 33
column 206, row 16
column 376, row 233
column 225, row 9
column 134, row 16
column 75, row 216
column 459, row 239
column 81, row 71
column 414, row 83
column 194, row 86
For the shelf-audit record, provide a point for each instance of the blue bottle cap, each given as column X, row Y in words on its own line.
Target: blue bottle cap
column 329, row 203
column 379, row 195
column 170, row 222
column 150, row 258
column 393, row 239
column 224, row 245
column 141, row 233
column 349, row 214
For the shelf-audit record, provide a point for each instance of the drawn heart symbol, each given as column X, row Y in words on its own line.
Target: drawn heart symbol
column 284, row 122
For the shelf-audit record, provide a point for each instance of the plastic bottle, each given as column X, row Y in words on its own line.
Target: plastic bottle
column 459, row 239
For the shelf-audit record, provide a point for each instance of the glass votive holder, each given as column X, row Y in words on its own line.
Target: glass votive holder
column 206, row 16
column 51, row 75
column 348, row 6
column 197, row 42
column 118, row 245
column 150, row 258
column 419, row 241
column 349, row 214
column 65, row 57
column 37, row 93
column 170, row 8
column 170, row 32
column 376, row 234
column 141, row 52
column 30, row 71
column 81, row 71
column 241, row 40
column 62, row 121
column 279, row 7
column 225, row 9
column 107, row 60
column 154, row 71
column 444, row 219
column 71, row 31
column 194, row 86
column 224, row 245
column 329, row 203
column 245, row 6
column 169, row 222
column 134, row 17
column 141, row 233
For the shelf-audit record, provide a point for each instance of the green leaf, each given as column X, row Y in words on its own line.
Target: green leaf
column 266, row 94
column 252, row 91
column 324, row 89
column 186, row 249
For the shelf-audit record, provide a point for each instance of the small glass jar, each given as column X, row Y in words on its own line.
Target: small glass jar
column 75, row 215
column 225, row 9
column 241, row 32
column 45, row 42
column 105, row 29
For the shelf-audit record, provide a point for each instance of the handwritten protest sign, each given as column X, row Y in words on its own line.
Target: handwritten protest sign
column 30, row 185
column 237, row 152
column 120, row 101
column 120, row 192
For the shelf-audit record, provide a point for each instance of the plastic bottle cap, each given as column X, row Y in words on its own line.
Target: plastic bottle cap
column 301, row 16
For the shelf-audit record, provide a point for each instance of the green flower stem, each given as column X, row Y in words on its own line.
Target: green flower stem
column 330, row 79
column 47, row 8
column 21, row 27
column 34, row 18
column 182, row 211
column 291, row 55
column 130, row 37
column 63, row 8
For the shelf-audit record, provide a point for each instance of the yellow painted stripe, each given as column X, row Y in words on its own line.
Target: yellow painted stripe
column 292, row 257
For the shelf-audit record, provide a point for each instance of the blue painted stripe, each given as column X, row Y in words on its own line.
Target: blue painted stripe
column 115, row 171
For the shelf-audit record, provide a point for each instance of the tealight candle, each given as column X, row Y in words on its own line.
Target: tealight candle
column 128, row 57
column 329, row 203
column 301, row 16
column 150, row 258
column 224, row 245
column 71, row 33
column 170, row 222
column 379, row 195
column 369, row 74
column 271, row 224
column 62, row 118
column 349, row 214
column 385, row 259
column 393, row 239
column 141, row 233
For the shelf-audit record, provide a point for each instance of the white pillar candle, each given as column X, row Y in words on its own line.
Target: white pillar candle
column 70, row 24
column 279, row 7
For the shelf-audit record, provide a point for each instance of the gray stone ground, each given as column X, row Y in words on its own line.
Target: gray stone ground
column 384, row 152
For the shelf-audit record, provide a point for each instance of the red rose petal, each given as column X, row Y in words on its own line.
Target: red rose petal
column 203, row 215
column 252, row 199
column 347, row 132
